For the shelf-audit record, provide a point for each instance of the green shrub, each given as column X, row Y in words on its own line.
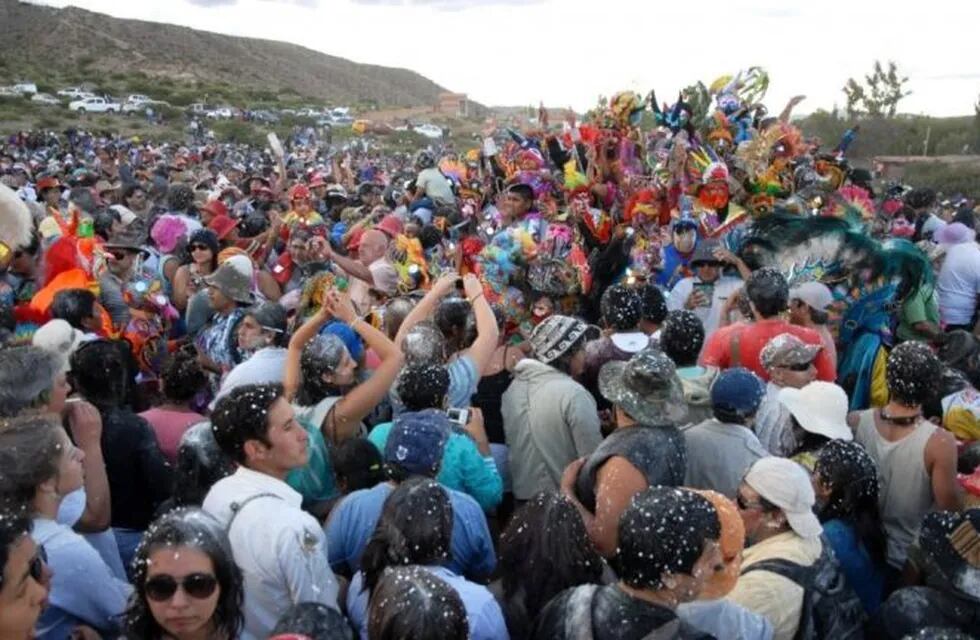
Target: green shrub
column 945, row 178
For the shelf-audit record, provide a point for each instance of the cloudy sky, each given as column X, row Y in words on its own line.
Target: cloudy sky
column 567, row 52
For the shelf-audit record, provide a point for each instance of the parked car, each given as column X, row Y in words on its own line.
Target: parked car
column 45, row 98
column 137, row 98
column 265, row 116
column 94, row 105
column 341, row 119
column 25, row 88
column 221, row 113
column 198, row 108
column 429, row 131
column 75, row 93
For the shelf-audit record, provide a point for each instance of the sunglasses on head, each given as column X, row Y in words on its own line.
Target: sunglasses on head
column 162, row 587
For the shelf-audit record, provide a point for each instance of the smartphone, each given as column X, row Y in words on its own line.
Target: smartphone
column 459, row 416
column 707, row 290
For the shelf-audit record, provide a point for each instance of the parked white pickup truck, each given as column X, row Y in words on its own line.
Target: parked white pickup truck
column 94, row 105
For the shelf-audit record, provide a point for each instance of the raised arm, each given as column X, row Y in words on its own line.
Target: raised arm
column 351, row 266
column 292, row 376
column 427, row 305
column 342, row 421
column 85, row 424
column 487, row 333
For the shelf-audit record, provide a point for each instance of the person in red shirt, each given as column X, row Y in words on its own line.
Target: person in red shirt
column 739, row 345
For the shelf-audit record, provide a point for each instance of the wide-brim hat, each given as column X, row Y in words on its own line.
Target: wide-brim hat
column 233, row 279
column 819, row 407
column 646, row 387
column 130, row 237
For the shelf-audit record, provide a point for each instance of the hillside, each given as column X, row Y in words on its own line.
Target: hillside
column 72, row 45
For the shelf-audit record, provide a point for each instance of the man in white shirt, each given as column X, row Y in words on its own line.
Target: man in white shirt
column 958, row 285
column 280, row 548
column 705, row 293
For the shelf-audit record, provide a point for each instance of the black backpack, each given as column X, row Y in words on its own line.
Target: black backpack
column 831, row 609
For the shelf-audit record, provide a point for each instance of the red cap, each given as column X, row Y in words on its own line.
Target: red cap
column 216, row 208
column 317, row 181
column 48, row 182
column 222, row 226
column 299, row 192
column 391, row 225
column 355, row 239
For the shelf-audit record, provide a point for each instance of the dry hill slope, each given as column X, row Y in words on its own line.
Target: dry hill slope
column 44, row 38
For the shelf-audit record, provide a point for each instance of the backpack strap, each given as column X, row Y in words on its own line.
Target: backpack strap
column 735, row 349
column 237, row 507
column 790, row 570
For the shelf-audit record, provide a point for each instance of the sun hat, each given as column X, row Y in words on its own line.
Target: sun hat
column 390, row 225
column 216, row 208
column 646, row 387
column 787, row 485
column 233, row 278
column 222, row 226
column 819, row 407
column 954, row 233
column 704, row 253
column 129, row 238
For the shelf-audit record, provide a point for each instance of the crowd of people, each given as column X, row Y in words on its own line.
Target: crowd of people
column 594, row 381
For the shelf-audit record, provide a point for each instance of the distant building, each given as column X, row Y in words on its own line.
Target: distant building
column 455, row 105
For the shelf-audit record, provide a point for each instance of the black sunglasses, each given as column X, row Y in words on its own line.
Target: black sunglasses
column 799, row 366
column 162, row 587
column 202, row 247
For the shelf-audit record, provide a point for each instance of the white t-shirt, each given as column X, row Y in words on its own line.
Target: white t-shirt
column 710, row 316
column 959, row 283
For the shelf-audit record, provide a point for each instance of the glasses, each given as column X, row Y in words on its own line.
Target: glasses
column 745, row 505
column 199, row 586
column 119, row 255
column 800, row 366
column 200, row 247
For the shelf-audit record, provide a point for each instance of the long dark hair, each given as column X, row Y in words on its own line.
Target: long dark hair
column 191, row 528
column 415, row 527
column 852, row 476
column 544, row 550
column 410, row 603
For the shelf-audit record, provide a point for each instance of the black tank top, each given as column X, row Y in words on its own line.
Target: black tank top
column 658, row 452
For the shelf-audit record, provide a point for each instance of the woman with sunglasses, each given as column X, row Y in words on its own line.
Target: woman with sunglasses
column 23, row 577
column 187, row 584
column 202, row 260
column 39, row 466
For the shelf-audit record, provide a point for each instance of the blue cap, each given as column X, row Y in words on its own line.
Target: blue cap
column 417, row 441
column 737, row 391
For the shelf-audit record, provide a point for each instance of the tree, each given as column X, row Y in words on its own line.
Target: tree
column 879, row 94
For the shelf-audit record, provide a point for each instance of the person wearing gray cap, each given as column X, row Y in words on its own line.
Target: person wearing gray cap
column 786, row 555
column 549, row 418
column 705, row 292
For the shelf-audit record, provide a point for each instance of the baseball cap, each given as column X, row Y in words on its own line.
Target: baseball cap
column 787, row 485
column 817, row 295
column 786, row 350
column 737, row 391
column 416, row 443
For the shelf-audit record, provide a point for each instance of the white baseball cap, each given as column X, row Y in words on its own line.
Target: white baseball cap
column 786, row 484
column 815, row 294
